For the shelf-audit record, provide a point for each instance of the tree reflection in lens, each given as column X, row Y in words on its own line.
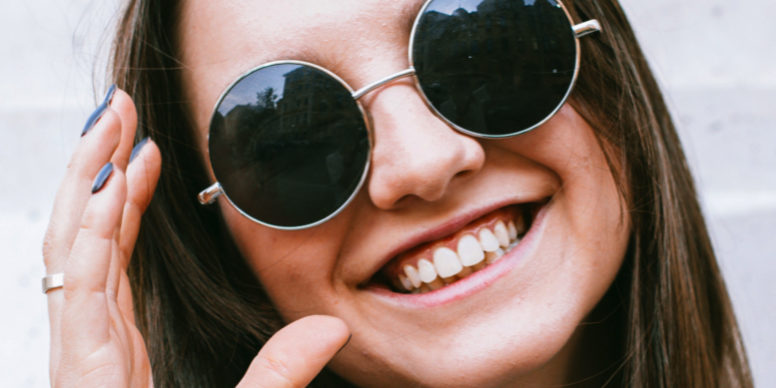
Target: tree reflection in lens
column 288, row 144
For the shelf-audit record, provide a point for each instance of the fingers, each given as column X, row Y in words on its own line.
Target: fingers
column 109, row 138
column 297, row 353
column 95, row 149
column 124, row 107
column 142, row 176
column 85, row 317
column 91, row 154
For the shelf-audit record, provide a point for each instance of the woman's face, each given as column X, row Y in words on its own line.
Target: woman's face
column 428, row 187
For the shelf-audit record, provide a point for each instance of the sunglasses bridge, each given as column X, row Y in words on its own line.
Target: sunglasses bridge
column 210, row 194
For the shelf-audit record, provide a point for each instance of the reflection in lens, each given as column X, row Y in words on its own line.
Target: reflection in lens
column 288, row 144
column 494, row 67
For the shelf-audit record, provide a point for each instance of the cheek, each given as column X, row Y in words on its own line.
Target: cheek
column 590, row 224
column 599, row 226
column 295, row 268
column 568, row 147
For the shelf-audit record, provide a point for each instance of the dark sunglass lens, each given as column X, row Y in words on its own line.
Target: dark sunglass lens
column 494, row 67
column 288, row 144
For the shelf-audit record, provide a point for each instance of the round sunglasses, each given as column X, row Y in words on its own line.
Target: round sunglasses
column 289, row 141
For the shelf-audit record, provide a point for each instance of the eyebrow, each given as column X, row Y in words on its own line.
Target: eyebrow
column 407, row 15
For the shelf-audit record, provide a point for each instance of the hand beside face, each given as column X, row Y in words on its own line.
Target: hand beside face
column 428, row 187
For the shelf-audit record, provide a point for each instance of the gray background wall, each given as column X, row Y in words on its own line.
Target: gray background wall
column 716, row 60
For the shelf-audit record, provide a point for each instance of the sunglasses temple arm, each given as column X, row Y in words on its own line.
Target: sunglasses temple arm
column 587, row 28
column 209, row 195
column 374, row 85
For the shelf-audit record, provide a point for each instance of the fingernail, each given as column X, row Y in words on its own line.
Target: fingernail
column 102, row 177
column 345, row 344
column 95, row 116
column 109, row 95
column 136, row 149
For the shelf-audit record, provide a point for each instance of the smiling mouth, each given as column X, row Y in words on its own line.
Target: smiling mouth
column 436, row 264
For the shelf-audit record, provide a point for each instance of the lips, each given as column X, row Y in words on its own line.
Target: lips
column 435, row 264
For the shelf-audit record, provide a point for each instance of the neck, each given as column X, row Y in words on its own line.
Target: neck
column 597, row 347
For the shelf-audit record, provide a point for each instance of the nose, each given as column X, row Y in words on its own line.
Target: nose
column 415, row 154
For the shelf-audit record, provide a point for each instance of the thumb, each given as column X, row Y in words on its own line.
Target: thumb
column 297, row 353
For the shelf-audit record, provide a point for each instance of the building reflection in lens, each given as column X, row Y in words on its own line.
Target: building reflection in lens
column 294, row 151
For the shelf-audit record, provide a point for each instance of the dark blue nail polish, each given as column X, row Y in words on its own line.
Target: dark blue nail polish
column 93, row 118
column 136, row 149
column 109, row 95
column 102, row 177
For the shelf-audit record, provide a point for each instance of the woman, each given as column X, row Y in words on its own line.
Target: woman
column 601, row 273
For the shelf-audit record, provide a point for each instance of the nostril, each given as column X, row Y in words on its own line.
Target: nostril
column 463, row 174
column 402, row 200
column 415, row 156
column 424, row 176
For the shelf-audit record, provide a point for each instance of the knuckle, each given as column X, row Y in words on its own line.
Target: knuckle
column 49, row 246
column 46, row 246
column 83, row 291
column 47, row 250
column 90, row 226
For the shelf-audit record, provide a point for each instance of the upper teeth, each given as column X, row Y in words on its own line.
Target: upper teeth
column 488, row 240
column 470, row 251
column 500, row 230
column 446, row 263
column 426, row 271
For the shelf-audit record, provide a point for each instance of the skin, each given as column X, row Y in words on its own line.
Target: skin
column 423, row 175
column 521, row 330
column 90, row 238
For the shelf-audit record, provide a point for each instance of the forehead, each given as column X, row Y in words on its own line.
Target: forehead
column 271, row 26
column 219, row 40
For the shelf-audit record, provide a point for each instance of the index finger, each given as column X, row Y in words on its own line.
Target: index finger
column 297, row 353
column 109, row 139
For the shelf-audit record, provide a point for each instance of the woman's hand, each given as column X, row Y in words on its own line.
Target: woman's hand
column 90, row 238
column 296, row 353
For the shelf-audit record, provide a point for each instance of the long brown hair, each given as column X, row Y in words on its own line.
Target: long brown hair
column 204, row 315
